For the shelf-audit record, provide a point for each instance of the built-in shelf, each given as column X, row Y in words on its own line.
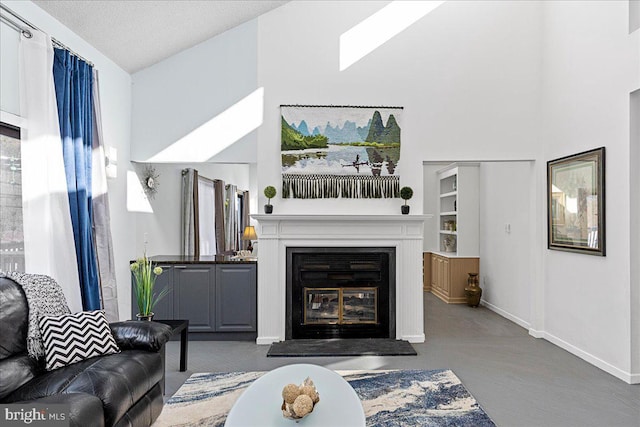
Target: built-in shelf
column 458, row 209
column 449, row 194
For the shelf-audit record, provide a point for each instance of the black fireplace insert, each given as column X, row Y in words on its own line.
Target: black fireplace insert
column 336, row 292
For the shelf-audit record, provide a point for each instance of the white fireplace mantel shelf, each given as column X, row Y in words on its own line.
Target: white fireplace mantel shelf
column 278, row 232
column 315, row 217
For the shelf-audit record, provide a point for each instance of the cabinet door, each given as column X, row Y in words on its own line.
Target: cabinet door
column 434, row 271
column 236, row 298
column 194, row 296
column 446, row 282
column 163, row 310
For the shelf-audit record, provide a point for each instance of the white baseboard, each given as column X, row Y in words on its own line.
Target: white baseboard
column 414, row 338
column 267, row 340
column 595, row 361
column 515, row 319
column 535, row 333
column 627, row 377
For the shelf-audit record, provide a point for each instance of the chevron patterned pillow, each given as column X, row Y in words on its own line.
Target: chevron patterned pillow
column 74, row 337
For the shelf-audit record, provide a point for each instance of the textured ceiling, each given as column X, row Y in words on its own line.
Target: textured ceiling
column 136, row 34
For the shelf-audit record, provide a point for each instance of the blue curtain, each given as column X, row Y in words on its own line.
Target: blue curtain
column 73, row 79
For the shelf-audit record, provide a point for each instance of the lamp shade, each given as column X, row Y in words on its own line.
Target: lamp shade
column 249, row 233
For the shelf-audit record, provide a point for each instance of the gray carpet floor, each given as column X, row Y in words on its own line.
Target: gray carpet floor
column 518, row 380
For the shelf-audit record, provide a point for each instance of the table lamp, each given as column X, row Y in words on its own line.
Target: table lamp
column 249, row 234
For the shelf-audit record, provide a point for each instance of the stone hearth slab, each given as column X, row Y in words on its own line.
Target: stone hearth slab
column 341, row 347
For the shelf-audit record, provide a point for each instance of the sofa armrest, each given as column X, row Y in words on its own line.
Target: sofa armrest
column 140, row 335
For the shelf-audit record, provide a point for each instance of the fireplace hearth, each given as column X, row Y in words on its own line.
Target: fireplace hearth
column 340, row 292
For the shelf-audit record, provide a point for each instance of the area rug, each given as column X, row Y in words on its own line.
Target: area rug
column 341, row 347
column 389, row 398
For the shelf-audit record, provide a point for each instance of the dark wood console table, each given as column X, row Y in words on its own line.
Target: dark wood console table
column 181, row 326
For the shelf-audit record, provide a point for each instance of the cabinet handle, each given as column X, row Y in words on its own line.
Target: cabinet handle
column 179, row 266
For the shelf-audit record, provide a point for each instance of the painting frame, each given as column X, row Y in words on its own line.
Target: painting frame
column 576, row 203
column 340, row 151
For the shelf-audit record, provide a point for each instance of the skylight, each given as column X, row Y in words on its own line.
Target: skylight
column 380, row 27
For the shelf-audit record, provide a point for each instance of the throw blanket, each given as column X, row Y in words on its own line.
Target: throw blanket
column 44, row 298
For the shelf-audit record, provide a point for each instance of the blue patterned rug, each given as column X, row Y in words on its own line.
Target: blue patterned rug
column 389, row 398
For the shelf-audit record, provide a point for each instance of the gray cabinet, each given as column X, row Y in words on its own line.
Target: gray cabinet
column 194, row 296
column 217, row 298
column 164, row 307
column 235, row 298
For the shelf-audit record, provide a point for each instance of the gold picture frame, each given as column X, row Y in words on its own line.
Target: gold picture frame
column 576, row 203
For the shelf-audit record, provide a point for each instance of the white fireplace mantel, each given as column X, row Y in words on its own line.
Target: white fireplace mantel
column 277, row 232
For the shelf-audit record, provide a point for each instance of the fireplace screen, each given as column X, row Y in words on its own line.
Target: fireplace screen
column 340, row 305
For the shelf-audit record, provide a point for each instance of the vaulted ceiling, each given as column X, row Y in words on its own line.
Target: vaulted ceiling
column 136, row 34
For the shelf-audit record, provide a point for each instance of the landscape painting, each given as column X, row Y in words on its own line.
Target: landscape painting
column 335, row 151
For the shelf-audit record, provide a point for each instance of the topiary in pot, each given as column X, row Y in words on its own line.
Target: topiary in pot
column 405, row 193
column 269, row 193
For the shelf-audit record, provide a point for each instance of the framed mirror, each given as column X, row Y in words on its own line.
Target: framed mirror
column 576, row 203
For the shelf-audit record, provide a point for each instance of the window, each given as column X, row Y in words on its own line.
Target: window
column 206, row 216
column 240, row 220
column 11, row 226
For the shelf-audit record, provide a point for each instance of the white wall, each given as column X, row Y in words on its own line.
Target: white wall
column 634, row 227
column 431, row 193
column 590, row 66
column 9, row 87
column 178, row 95
column 634, row 15
column 505, row 255
column 115, row 93
column 467, row 75
column 162, row 227
column 183, row 92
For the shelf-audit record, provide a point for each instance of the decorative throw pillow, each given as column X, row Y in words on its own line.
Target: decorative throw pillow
column 74, row 337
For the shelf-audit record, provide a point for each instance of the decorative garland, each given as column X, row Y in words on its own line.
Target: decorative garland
column 318, row 186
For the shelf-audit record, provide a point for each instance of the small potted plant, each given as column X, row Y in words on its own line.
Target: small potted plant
column 144, row 281
column 269, row 193
column 406, row 193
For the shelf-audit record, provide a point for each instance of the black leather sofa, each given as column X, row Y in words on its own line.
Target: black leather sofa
column 116, row 390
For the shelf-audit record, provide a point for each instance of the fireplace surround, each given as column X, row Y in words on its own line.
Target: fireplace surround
column 278, row 232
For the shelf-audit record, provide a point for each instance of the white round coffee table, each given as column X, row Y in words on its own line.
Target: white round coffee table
column 260, row 403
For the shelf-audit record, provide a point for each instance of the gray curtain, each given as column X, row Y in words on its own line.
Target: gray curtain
column 219, row 195
column 245, row 216
column 101, row 220
column 188, row 214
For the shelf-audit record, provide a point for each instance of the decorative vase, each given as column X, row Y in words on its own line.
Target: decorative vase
column 405, row 209
column 147, row 318
column 268, row 209
column 473, row 291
